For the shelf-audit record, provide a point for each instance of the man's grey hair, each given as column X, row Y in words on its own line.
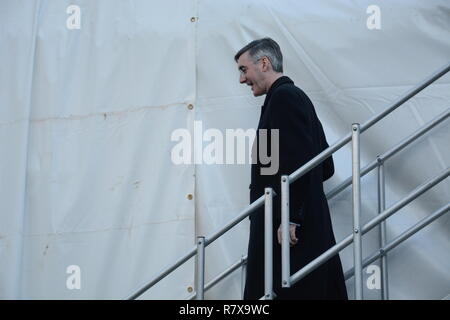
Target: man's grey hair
column 264, row 47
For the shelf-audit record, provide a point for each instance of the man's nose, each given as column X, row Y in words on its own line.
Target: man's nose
column 242, row 78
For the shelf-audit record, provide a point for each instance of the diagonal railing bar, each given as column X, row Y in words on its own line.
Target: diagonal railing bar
column 255, row 205
column 311, row 266
column 221, row 276
column 294, row 176
column 391, row 152
column 366, row 125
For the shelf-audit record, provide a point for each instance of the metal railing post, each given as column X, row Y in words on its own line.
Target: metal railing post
column 221, row 276
column 268, row 244
column 285, row 258
column 200, row 268
column 381, row 208
column 357, row 247
column 243, row 276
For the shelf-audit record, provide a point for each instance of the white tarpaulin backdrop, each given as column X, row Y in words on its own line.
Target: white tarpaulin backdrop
column 86, row 117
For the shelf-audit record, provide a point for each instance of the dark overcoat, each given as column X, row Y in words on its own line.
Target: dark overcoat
column 301, row 137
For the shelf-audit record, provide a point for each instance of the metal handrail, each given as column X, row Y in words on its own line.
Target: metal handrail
column 221, row 276
column 391, row 152
column 385, row 156
column 294, row 176
column 349, row 273
column 338, row 145
column 401, row 238
column 311, row 266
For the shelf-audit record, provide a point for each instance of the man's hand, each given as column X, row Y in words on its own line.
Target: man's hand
column 293, row 238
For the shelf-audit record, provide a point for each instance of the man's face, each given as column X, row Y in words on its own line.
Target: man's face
column 251, row 74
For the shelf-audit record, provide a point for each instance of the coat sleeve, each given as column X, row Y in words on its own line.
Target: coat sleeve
column 289, row 114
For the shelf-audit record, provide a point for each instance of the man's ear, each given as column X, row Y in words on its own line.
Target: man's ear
column 266, row 64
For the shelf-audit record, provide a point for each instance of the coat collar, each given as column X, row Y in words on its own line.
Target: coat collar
column 280, row 81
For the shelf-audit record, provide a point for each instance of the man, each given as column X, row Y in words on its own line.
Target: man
column 287, row 109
